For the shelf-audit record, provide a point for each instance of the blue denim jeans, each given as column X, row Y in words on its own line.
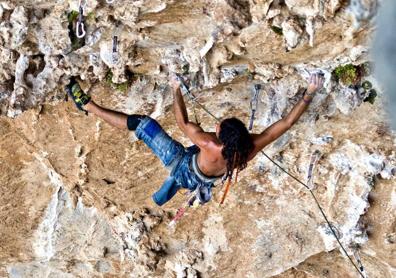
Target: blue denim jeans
column 177, row 160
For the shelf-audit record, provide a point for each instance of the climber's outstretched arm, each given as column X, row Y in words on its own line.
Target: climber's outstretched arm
column 196, row 134
column 274, row 131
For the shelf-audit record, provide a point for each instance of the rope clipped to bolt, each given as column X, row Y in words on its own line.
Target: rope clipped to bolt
column 187, row 92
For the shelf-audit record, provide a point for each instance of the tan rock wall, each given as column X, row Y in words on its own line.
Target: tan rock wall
column 76, row 193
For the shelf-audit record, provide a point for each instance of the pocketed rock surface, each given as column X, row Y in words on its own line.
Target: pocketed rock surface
column 75, row 193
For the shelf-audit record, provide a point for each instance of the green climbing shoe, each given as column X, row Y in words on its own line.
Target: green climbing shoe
column 77, row 94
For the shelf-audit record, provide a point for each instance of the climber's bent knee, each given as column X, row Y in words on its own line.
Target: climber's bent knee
column 134, row 120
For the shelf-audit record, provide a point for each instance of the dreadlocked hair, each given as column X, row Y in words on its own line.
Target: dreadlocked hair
column 237, row 147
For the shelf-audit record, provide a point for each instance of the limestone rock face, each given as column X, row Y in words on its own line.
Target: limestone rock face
column 75, row 193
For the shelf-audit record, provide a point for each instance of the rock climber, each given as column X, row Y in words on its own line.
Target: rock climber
column 213, row 154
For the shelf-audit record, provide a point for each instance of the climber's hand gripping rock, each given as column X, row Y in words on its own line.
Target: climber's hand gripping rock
column 316, row 81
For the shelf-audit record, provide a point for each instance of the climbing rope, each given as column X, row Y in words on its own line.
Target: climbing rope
column 320, row 209
column 192, row 201
column 192, row 98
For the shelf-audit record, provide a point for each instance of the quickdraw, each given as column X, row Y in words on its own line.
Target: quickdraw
column 254, row 104
column 184, row 87
column 116, row 42
column 114, row 55
column 314, row 160
column 80, row 27
column 187, row 92
column 359, row 262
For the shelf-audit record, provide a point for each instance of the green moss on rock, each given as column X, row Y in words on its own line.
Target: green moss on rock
column 122, row 87
column 72, row 16
column 347, row 74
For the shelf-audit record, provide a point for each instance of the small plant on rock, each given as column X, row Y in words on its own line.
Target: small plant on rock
column 72, row 16
column 122, row 87
column 347, row 74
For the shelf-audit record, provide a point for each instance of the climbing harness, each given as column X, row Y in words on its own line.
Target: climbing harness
column 254, row 104
column 314, row 159
column 200, row 195
column 332, row 229
column 80, row 27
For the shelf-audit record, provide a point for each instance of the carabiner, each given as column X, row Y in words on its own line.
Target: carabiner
column 80, row 30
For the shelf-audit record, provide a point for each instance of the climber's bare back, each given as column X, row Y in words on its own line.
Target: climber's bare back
column 210, row 159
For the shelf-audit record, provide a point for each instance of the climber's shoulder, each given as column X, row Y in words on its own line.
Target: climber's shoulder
column 212, row 143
